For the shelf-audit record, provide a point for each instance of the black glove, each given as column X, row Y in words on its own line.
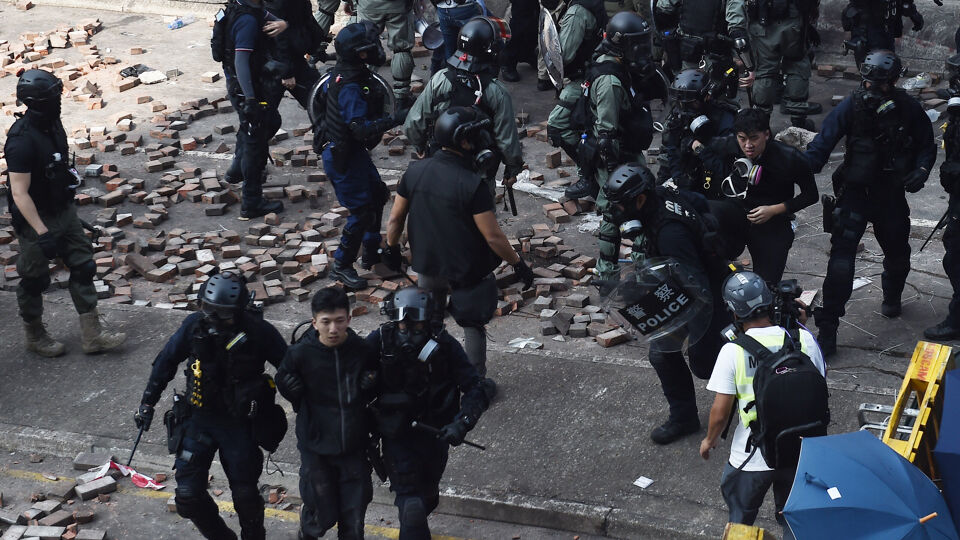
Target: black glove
column 392, row 257
column 368, row 380
column 453, row 433
column 252, row 113
column 401, row 115
column 291, row 384
column 916, row 18
column 950, row 176
column 609, row 154
column 524, row 272
column 914, row 181
column 144, row 417
column 48, row 245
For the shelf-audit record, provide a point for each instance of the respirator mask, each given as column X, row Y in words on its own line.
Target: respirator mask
column 744, row 175
column 417, row 343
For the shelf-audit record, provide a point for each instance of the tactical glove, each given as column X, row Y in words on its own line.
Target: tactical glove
column 252, row 114
column 144, row 417
column 290, row 385
column 916, row 18
column 48, row 245
column 914, row 181
column 950, row 176
column 453, row 433
column 524, row 272
column 392, row 257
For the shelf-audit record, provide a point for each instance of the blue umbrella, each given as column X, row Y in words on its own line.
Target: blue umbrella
column 947, row 452
column 852, row 485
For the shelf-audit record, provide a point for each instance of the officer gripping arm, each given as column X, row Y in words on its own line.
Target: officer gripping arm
column 834, row 128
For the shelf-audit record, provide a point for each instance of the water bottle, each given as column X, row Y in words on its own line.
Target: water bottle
column 180, row 22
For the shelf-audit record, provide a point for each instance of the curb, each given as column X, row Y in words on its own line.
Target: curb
column 455, row 500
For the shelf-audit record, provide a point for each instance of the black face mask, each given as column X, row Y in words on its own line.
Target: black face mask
column 219, row 320
column 48, row 109
column 416, row 344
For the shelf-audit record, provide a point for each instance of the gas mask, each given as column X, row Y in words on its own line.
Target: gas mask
column 414, row 343
column 48, row 109
column 701, row 127
column 744, row 175
column 477, row 134
column 220, row 319
column 627, row 218
column 876, row 99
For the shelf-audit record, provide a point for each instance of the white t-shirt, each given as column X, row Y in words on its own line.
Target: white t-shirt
column 723, row 381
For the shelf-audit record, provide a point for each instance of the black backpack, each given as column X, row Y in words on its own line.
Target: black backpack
column 790, row 397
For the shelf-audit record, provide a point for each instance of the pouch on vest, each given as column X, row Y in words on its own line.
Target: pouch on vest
column 175, row 421
column 862, row 165
column 393, row 413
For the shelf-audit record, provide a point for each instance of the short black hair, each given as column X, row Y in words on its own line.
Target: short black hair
column 751, row 121
column 329, row 300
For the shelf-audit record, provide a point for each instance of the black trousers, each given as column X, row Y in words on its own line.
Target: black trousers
column 242, row 461
column 885, row 206
column 876, row 36
column 306, row 77
column 336, row 491
column 415, row 463
column 251, row 153
column 522, row 47
column 951, row 259
column 769, row 245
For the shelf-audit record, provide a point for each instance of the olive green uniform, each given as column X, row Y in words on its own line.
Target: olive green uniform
column 437, row 97
column 574, row 26
column 735, row 13
column 397, row 19
column 780, row 51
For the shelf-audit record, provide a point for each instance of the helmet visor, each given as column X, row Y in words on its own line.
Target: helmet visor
column 875, row 73
column 219, row 312
column 408, row 313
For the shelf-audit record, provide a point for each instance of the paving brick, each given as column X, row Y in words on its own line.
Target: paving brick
column 553, row 159
column 60, row 518
column 11, row 517
column 102, row 485
column 44, row 533
column 84, row 461
column 613, row 337
column 91, row 534
column 15, row 532
column 47, row 507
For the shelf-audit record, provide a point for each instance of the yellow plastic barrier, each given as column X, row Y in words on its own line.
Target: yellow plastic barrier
column 739, row 531
column 921, row 391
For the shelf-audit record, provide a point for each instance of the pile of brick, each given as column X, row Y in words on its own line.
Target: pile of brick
column 55, row 513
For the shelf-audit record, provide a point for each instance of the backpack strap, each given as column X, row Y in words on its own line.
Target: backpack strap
column 752, row 346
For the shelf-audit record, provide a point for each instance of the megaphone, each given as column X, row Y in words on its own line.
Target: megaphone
column 430, row 34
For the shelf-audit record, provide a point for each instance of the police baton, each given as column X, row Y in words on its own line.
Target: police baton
column 940, row 225
column 136, row 443
column 434, row 431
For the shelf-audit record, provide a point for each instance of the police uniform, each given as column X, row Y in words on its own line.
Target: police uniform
column 397, row 19
column 703, row 169
column 228, row 408
column 949, row 328
column 881, row 151
column 700, row 21
column 779, row 39
column 330, row 396
column 444, row 390
column 640, row 7
column 875, row 24
column 36, row 145
column 451, row 86
column 243, row 50
column 303, row 36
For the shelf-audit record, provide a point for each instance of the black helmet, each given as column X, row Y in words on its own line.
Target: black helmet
column 628, row 181
column 479, row 43
column 363, row 36
column 410, row 304
column 224, row 295
column 746, row 293
column 39, row 90
column 881, row 66
column 690, row 86
column 458, row 124
column 629, row 36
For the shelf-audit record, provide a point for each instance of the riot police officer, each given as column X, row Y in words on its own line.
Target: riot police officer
column 354, row 123
column 240, row 43
column 470, row 80
column 678, row 225
column 42, row 184
column 697, row 119
column 581, row 31
column 781, row 33
column 522, row 47
column 303, row 36
column 454, row 235
column 397, row 19
column 228, row 405
column 889, row 150
column 424, row 377
column 620, row 124
column 875, row 24
column 708, row 30
column 949, row 328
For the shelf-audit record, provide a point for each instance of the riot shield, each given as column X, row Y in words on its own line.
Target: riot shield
column 315, row 106
column 662, row 303
column 550, row 48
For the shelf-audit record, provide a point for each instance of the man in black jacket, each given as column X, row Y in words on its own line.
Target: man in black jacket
column 763, row 178
column 304, row 36
column 424, row 377
column 328, row 376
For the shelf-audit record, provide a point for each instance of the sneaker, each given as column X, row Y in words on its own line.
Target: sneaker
column 673, row 430
column 800, row 107
column 583, row 189
column 260, row 209
column 942, row 332
column 545, row 84
column 347, row 274
column 509, row 74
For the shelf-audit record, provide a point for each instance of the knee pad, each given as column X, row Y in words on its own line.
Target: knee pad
column 843, row 265
column 413, row 512
column 401, row 67
column 34, row 286
column 192, row 503
column 83, row 273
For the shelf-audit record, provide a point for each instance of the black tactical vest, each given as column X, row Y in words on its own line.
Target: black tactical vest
column 466, row 91
column 50, row 176
column 334, row 126
column 877, row 143
column 231, row 380
column 702, row 17
column 429, row 387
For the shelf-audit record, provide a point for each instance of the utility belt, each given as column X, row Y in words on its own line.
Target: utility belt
column 693, row 47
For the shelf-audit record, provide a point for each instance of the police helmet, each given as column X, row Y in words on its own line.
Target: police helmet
column 479, row 43
column 411, row 304
column 628, row 35
column 362, row 36
column 37, row 87
column 690, row 86
column 627, row 182
column 881, row 66
column 459, row 124
column 224, row 295
column 745, row 294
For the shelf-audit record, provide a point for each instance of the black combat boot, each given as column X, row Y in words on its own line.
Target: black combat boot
column 827, row 339
column 369, row 258
column 673, row 430
column 345, row 273
column 260, row 208
column 890, row 307
column 544, row 84
column 945, row 331
column 585, row 188
column 509, row 74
